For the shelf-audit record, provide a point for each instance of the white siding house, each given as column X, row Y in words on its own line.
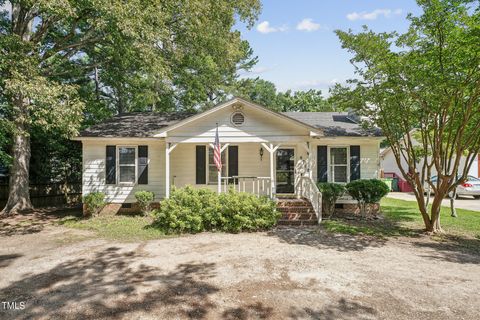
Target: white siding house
column 265, row 152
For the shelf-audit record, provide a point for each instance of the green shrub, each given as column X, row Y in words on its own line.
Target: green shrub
column 196, row 210
column 367, row 191
column 330, row 194
column 94, row 202
column 144, row 200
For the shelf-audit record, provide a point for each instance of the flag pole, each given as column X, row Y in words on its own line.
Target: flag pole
column 219, row 172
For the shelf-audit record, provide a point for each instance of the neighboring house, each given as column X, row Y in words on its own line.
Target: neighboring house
column 264, row 152
column 388, row 164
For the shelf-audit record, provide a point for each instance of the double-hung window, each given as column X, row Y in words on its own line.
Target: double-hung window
column 127, row 164
column 212, row 168
column 339, row 164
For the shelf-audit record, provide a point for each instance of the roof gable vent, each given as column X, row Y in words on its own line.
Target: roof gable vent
column 237, row 118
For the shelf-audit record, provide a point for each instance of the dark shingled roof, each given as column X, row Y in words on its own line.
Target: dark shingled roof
column 135, row 124
column 333, row 124
column 146, row 124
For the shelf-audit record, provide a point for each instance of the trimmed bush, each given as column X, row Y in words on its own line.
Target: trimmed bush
column 330, row 194
column 367, row 192
column 144, row 200
column 94, row 202
column 192, row 210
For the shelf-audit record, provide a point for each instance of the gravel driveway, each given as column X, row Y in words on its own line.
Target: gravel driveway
column 287, row 273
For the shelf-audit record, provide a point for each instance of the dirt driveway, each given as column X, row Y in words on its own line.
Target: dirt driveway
column 284, row 274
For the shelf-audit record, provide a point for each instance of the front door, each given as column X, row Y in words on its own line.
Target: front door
column 285, row 176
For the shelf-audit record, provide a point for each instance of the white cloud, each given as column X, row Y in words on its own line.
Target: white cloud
column 387, row 13
column 308, row 25
column 255, row 71
column 265, row 27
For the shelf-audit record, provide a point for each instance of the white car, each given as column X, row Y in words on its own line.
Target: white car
column 471, row 187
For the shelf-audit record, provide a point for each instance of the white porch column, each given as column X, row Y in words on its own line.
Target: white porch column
column 168, row 149
column 309, row 161
column 271, row 149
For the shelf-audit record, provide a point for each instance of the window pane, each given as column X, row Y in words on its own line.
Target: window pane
column 212, row 169
column 340, row 173
column 126, row 155
column 338, row 155
column 127, row 174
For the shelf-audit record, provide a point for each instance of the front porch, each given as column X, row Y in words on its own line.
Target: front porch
column 276, row 170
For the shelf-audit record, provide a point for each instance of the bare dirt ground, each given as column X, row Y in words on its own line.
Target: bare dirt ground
column 62, row 273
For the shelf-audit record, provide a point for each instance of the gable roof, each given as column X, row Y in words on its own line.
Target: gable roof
column 244, row 102
column 334, row 124
column 151, row 124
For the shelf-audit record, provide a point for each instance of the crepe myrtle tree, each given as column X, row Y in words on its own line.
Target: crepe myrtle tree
column 50, row 48
column 427, row 79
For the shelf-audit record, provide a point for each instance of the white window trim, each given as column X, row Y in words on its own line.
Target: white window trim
column 215, row 181
column 118, row 165
column 329, row 171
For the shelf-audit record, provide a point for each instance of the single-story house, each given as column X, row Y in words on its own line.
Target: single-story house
column 263, row 152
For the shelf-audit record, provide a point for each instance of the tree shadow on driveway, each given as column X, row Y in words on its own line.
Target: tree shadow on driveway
column 343, row 309
column 108, row 286
column 319, row 238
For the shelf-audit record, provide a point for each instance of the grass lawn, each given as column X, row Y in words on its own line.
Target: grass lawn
column 117, row 227
column 402, row 218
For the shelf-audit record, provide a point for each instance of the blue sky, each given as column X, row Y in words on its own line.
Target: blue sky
column 295, row 41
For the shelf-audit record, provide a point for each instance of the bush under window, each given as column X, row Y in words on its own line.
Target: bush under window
column 367, row 192
column 330, row 194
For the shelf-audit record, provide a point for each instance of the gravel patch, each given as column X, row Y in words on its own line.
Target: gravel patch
column 287, row 273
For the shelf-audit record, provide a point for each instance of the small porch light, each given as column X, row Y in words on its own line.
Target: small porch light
column 261, row 153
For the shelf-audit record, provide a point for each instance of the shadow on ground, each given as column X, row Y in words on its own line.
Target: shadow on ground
column 6, row 259
column 34, row 221
column 343, row 309
column 452, row 249
column 320, row 238
column 107, row 286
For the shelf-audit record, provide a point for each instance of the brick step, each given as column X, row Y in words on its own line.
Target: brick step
column 293, row 202
column 297, row 222
column 295, row 209
column 299, row 216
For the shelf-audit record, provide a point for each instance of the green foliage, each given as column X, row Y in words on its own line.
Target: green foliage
column 196, row 210
column 265, row 93
column 367, row 190
column 94, row 202
column 426, row 79
column 330, row 194
column 144, row 200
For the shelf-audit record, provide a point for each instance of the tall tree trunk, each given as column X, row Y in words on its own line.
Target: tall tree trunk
column 435, row 214
column 19, row 196
column 453, row 208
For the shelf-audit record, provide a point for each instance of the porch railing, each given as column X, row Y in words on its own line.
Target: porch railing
column 260, row 186
column 308, row 189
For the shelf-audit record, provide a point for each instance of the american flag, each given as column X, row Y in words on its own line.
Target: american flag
column 217, row 153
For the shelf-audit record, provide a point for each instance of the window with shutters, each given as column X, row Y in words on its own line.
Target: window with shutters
column 339, row 164
column 127, row 164
column 212, row 168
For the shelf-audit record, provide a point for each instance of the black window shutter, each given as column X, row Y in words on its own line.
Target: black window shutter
column 232, row 161
column 322, row 164
column 110, row 165
column 142, row 164
column 354, row 163
column 201, row 165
